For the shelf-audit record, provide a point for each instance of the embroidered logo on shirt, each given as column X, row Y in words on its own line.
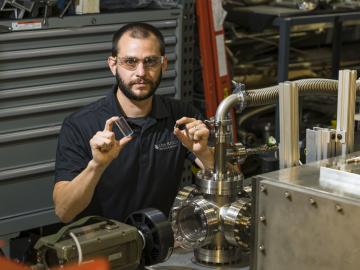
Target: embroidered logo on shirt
column 166, row 145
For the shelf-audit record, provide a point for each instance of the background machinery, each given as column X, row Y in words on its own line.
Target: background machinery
column 215, row 217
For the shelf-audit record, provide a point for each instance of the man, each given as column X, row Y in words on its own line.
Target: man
column 100, row 172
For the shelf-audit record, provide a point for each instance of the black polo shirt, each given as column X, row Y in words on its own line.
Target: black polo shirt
column 147, row 171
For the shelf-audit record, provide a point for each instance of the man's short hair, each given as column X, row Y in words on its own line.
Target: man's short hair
column 137, row 30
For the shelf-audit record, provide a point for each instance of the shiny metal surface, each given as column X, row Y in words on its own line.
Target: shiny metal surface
column 220, row 120
column 228, row 103
column 237, row 222
column 222, row 135
column 320, row 144
column 308, row 176
column 182, row 199
column 185, row 194
column 231, row 185
column 195, row 223
column 289, row 153
column 184, row 260
column 346, row 110
column 303, row 223
column 230, row 255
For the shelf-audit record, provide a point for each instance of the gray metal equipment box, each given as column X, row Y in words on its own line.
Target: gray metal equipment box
column 308, row 217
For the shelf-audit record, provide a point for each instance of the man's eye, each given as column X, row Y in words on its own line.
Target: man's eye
column 130, row 61
column 150, row 61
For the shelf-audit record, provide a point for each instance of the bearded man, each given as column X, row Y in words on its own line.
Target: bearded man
column 99, row 171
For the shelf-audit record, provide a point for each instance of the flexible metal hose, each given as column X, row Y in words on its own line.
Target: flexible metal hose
column 269, row 95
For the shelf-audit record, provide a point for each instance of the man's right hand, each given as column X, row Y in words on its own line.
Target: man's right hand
column 104, row 147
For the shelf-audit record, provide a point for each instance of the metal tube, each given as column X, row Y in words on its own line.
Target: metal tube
column 220, row 163
column 226, row 105
column 289, row 154
column 346, row 110
column 220, row 117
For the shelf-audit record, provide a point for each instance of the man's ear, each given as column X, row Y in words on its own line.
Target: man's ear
column 164, row 64
column 112, row 64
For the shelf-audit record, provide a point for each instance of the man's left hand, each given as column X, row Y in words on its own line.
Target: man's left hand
column 194, row 135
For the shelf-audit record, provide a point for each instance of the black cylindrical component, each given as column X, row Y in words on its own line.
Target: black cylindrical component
column 156, row 229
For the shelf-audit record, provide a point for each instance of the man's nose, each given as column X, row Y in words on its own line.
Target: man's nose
column 140, row 69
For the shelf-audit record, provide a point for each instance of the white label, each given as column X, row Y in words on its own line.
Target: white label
column 219, row 15
column 26, row 25
column 220, row 46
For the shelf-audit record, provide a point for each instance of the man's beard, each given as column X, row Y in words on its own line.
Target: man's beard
column 126, row 88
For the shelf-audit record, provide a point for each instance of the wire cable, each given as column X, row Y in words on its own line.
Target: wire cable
column 78, row 247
